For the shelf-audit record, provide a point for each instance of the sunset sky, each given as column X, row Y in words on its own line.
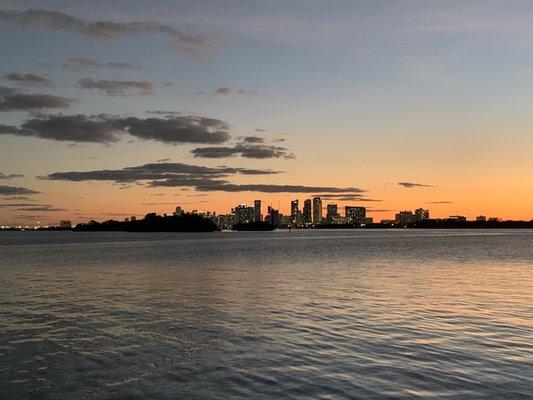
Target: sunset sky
column 111, row 109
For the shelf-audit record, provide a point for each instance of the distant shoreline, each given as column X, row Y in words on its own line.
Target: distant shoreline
column 472, row 225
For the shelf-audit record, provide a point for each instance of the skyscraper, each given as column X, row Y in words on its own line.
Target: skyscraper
column 332, row 212
column 257, row 210
column 294, row 211
column 356, row 215
column 317, row 210
column 307, row 212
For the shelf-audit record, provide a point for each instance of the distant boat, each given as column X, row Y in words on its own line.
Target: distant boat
column 253, row 226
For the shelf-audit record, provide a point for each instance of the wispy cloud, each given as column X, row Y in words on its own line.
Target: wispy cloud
column 16, row 190
column 28, row 79
column 106, row 30
column 118, row 88
column 79, row 63
column 410, row 185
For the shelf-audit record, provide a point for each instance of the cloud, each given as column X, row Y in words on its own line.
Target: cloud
column 30, row 207
column 410, row 185
column 440, row 202
column 15, row 191
column 225, row 90
column 105, row 30
column 28, row 79
column 346, row 197
column 156, row 171
column 118, row 88
column 45, row 208
column 270, row 188
column 13, row 100
column 106, row 129
column 12, row 205
column 258, row 151
column 79, row 63
column 201, row 178
column 10, row 176
column 253, row 139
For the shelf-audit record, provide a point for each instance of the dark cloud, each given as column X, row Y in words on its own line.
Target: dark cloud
column 165, row 113
column 79, row 63
column 107, row 129
column 13, row 100
column 28, row 79
column 410, row 185
column 18, row 198
column 15, row 191
column 118, row 88
column 253, row 139
column 346, row 197
column 12, row 205
column 259, row 151
column 225, row 90
column 10, row 176
column 261, row 130
column 185, row 129
column 268, row 188
column 191, row 45
column 43, row 208
column 156, row 171
column 201, row 178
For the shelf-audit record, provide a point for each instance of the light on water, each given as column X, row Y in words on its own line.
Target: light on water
column 307, row 314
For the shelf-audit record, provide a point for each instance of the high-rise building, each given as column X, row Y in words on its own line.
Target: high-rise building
column 243, row 213
column 274, row 217
column 332, row 212
column 257, row 210
column 317, row 210
column 294, row 211
column 65, row 224
column 355, row 215
column 421, row 214
column 307, row 212
column 178, row 211
column 405, row 217
column 481, row 218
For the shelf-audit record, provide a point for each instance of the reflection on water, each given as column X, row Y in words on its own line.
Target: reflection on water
column 307, row 314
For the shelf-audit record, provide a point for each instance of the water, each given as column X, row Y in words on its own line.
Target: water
column 308, row 314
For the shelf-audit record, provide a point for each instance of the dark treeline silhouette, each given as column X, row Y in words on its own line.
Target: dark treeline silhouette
column 154, row 223
column 253, row 226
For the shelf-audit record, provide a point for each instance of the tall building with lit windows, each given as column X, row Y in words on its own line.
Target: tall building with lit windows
column 317, row 210
column 332, row 212
column 257, row 210
column 307, row 212
column 356, row 215
column 294, row 211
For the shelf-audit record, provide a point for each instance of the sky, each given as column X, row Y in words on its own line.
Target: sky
column 113, row 109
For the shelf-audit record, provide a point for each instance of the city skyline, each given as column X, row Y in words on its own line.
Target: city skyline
column 379, row 106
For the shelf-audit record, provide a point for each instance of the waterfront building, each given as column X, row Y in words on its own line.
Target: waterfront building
column 294, row 211
column 405, row 217
column 317, row 210
column 65, row 224
column 331, row 212
column 307, row 212
column 355, row 215
column 257, row 210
